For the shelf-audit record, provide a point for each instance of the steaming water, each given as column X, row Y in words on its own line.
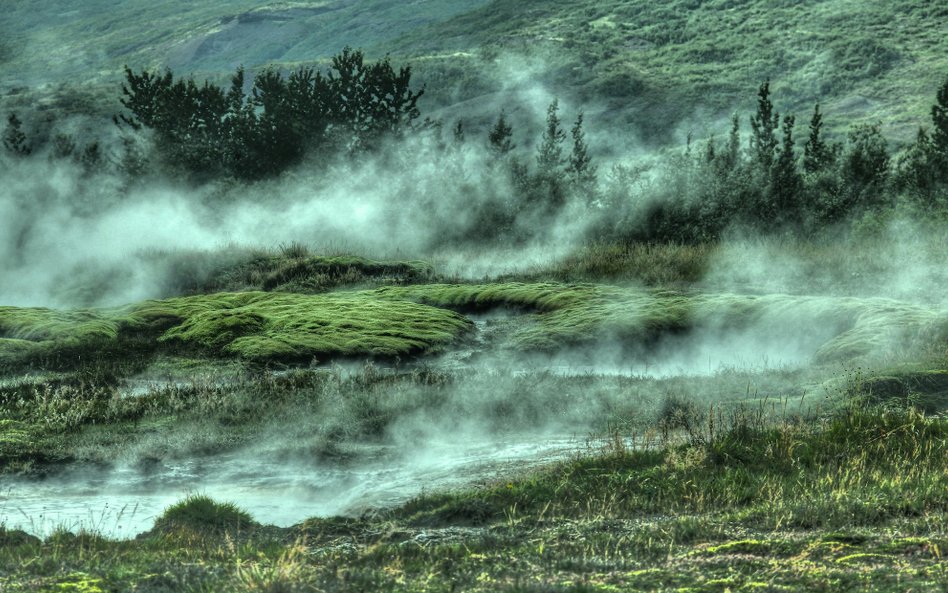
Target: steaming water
column 124, row 502
column 701, row 353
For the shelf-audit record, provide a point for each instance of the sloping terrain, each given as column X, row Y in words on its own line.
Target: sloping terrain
column 45, row 41
column 657, row 70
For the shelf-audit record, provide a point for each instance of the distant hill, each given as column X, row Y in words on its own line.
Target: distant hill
column 54, row 38
column 657, row 69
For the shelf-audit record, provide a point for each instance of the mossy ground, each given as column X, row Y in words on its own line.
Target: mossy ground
column 251, row 326
column 402, row 321
column 585, row 314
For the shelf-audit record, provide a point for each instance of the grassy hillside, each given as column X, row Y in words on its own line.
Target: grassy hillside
column 45, row 41
column 655, row 70
column 685, row 58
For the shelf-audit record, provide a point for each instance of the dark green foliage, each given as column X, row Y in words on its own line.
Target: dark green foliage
column 922, row 170
column 550, row 152
column 817, row 154
column 369, row 100
column 865, row 166
column 940, row 122
column 733, row 154
column 786, row 185
column 580, row 168
column 64, row 147
column 500, row 137
column 14, row 139
column 209, row 132
column 701, row 195
column 764, row 125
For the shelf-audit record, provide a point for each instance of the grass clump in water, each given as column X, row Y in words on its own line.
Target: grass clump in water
column 203, row 514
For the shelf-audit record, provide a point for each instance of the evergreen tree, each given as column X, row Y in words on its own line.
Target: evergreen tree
column 710, row 151
column 732, row 156
column 817, row 155
column 550, row 151
column 500, row 137
column 14, row 140
column 206, row 131
column 64, row 147
column 939, row 136
column 763, row 129
column 580, row 166
column 865, row 166
column 786, row 184
column 918, row 169
column 459, row 133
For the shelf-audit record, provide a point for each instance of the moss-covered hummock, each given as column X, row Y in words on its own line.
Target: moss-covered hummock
column 399, row 321
column 203, row 514
column 586, row 313
column 250, row 325
column 267, row 326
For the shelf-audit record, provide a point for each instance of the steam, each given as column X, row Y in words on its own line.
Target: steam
column 63, row 229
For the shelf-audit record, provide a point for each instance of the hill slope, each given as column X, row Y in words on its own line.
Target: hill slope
column 654, row 69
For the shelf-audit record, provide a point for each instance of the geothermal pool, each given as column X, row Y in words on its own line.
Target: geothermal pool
column 123, row 502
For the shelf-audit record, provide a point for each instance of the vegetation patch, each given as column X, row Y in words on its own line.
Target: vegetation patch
column 840, row 474
column 267, row 326
column 316, row 274
column 29, row 333
column 571, row 314
column 203, row 514
column 253, row 326
column 927, row 389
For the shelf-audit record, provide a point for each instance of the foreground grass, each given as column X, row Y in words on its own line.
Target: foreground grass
column 854, row 501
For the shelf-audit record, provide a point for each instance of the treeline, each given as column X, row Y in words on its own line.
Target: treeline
column 768, row 184
column 760, row 179
column 209, row 131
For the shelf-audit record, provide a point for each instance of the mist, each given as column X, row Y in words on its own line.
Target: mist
column 73, row 238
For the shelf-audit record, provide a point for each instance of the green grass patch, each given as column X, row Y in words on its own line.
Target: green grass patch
column 576, row 314
column 203, row 514
column 399, row 321
column 293, row 327
column 252, row 326
column 863, row 466
column 927, row 389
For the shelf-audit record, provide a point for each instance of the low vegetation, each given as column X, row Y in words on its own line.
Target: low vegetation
column 842, row 502
column 394, row 322
column 825, row 469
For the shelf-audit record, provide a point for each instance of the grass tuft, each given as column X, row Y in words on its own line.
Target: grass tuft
column 203, row 514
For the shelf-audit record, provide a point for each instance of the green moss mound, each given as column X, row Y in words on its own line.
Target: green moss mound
column 47, row 334
column 254, row 326
column 581, row 314
column 203, row 514
column 267, row 326
column 400, row 321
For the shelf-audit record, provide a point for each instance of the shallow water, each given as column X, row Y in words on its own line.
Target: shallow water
column 124, row 502
column 279, row 487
